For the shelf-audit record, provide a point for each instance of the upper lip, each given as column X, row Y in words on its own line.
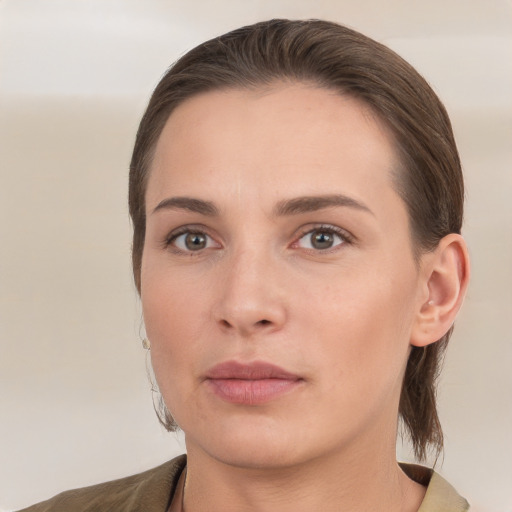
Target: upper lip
column 256, row 370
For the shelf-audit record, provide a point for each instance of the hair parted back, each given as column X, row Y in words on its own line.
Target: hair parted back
column 340, row 59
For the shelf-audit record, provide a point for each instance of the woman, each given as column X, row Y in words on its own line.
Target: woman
column 296, row 197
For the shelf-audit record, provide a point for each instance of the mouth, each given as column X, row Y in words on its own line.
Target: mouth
column 251, row 383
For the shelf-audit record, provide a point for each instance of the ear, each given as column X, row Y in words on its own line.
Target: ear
column 444, row 280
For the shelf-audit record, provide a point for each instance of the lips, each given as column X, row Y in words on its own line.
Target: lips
column 250, row 384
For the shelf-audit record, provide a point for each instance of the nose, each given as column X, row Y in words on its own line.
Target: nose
column 251, row 299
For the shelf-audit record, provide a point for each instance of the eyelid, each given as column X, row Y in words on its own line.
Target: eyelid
column 346, row 236
column 167, row 242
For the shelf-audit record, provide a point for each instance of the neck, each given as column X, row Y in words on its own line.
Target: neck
column 361, row 480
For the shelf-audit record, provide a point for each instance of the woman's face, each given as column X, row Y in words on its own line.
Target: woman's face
column 279, row 287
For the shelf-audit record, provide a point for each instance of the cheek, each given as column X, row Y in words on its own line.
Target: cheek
column 366, row 321
column 171, row 299
column 173, row 323
column 166, row 317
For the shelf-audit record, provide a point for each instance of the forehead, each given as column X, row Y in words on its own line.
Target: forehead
column 285, row 139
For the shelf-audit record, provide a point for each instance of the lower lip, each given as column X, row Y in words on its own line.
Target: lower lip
column 251, row 392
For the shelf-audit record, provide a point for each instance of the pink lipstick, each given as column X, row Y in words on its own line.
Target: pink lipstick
column 251, row 383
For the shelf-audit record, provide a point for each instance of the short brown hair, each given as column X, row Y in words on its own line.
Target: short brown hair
column 337, row 58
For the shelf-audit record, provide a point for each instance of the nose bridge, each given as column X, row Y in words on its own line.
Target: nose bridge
column 250, row 298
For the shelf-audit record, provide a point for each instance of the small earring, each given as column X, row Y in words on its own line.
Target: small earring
column 146, row 345
column 430, row 302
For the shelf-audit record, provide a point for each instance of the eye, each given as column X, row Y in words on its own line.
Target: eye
column 191, row 241
column 321, row 239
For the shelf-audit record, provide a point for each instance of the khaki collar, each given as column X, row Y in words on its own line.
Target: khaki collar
column 440, row 495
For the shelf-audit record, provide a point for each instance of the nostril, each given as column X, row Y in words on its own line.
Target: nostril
column 264, row 322
column 225, row 323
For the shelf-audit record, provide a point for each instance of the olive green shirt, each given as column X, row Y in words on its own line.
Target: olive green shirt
column 152, row 491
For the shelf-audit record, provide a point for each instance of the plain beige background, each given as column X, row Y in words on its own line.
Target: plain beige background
column 75, row 75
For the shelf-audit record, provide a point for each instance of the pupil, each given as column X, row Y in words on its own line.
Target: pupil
column 195, row 241
column 322, row 240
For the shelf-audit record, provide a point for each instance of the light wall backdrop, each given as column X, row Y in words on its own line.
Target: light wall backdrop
column 75, row 75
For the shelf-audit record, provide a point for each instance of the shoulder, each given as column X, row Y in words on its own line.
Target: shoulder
column 149, row 491
column 440, row 495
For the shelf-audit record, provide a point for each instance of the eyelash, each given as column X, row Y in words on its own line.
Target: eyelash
column 168, row 243
column 345, row 236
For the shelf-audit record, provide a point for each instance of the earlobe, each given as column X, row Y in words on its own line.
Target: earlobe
column 445, row 279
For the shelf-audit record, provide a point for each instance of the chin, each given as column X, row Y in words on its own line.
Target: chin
column 255, row 443
column 255, row 455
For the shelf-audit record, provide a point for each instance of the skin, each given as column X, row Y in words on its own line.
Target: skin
column 341, row 318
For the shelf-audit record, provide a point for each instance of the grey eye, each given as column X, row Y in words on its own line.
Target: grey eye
column 191, row 241
column 195, row 241
column 320, row 239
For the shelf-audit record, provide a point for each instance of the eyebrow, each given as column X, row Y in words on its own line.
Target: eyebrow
column 295, row 206
column 307, row 204
column 188, row 203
